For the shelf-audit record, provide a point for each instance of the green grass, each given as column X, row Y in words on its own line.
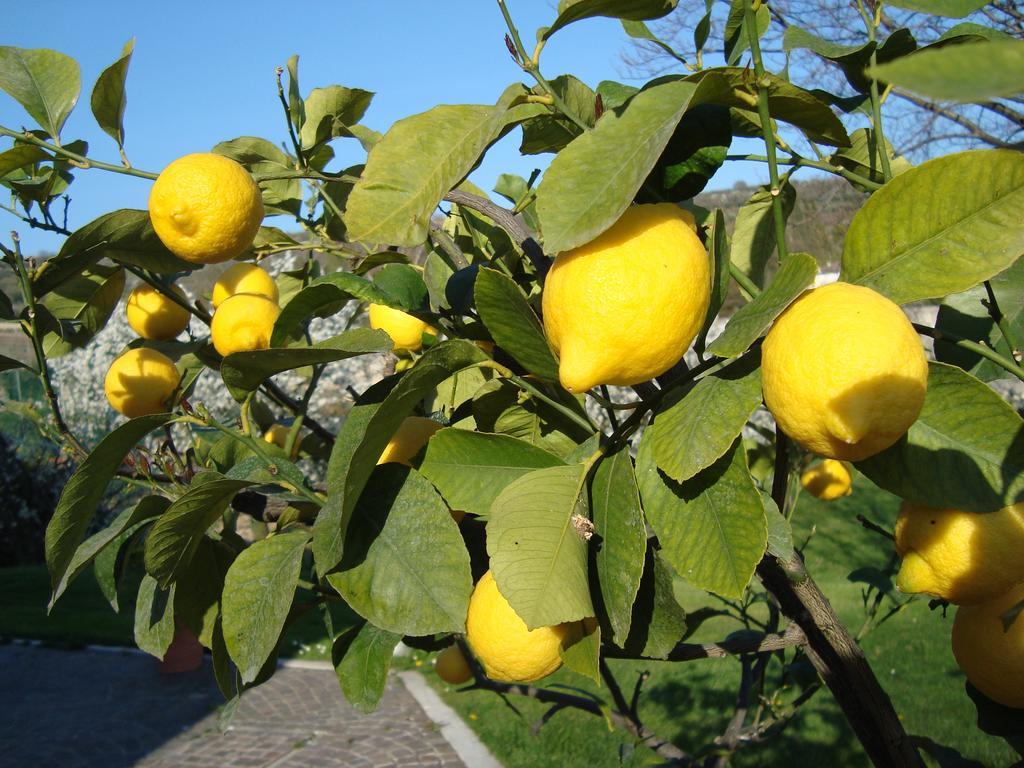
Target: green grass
column 689, row 703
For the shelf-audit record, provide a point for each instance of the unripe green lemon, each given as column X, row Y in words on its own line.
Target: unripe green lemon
column 451, row 666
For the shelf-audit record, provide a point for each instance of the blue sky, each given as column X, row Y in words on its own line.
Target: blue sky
column 203, row 72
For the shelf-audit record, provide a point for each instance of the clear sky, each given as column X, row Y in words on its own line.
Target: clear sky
column 203, row 72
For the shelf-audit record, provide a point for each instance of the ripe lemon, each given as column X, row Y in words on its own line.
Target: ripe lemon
column 153, row 315
column 992, row 657
column 277, row 435
column 451, row 666
column 507, row 650
column 963, row 557
column 828, row 480
column 405, row 330
column 243, row 323
column 244, row 278
column 205, row 208
column 412, row 435
column 843, row 371
column 140, row 382
column 624, row 307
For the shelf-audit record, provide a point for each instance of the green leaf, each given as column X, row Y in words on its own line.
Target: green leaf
column 243, row 372
column 176, row 535
column 620, row 539
column 697, row 426
column 325, row 296
column 364, row 435
column 711, row 528
column 954, row 9
column 46, row 83
column 404, row 284
column 260, row 156
column 82, row 305
column 862, row 157
column 296, row 106
column 405, row 567
column 108, row 95
column 970, row 72
column 362, row 657
column 130, row 518
column 329, row 111
column 538, row 555
column 154, row 617
column 583, row 656
column 754, row 318
column 967, row 32
column 258, row 593
column 636, row 10
column 640, row 31
column 513, row 324
column 84, row 490
column 659, row 622
column 694, row 154
column 470, row 469
column 737, row 39
column 408, row 171
column 971, row 231
column 109, row 566
column 780, row 535
column 19, row 156
column 753, row 236
column 851, row 59
column 594, row 179
column 197, row 592
column 719, row 256
column 965, row 451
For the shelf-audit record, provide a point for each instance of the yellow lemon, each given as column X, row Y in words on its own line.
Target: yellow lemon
column 140, row 382
column 243, row 323
column 844, row 372
column 963, row 557
column 624, row 307
column 153, row 315
column 205, row 208
column 244, row 278
column 828, row 480
column 451, row 666
column 990, row 655
column 507, row 650
column 405, row 330
column 412, row 435
column 277, row 435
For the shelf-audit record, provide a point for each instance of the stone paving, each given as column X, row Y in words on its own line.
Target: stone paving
column 93, row 709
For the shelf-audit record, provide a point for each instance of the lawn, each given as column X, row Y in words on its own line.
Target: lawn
column 689, row 703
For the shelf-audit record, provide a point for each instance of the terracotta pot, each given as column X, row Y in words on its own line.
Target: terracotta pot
column 184, row 653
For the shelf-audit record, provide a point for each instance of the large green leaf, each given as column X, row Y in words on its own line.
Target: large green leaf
column 260, row 156
column 154, row 617
column 329, row 111
column 965, row 451
column 84, row 489
column 594, row 179
column 108, row 95
column 659, row 622
column 693, row 155
column 863, row 158
column 46, row 83
column 719, row 254
column 175, row 536
column 362, row 657
column 245, row 371
column 364, row 435
column 537, row 546
column 81, row 307
column 130, row 518
column 955, row 9
column 939, row 228
column 753, row 319
column 696, row 427
column 19, row 156
column 737, row 38
column 851, row 59
column 637, row 10
column 409, row 170
column 325, row 296
column 258, row 593
column 405, row 567
column 513, row 324
column 470, row 469
column 620, row 539
column 711, row 528
column 753, row 235
column 197, row 592
column 970, row 72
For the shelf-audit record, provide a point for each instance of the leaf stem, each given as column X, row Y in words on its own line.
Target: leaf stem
column 805, row 162
column 79, row 161
column 994, row 311
column 876, row 101
column 742, row 280
column 569, row 413
column 296, row 144
column 979, row 349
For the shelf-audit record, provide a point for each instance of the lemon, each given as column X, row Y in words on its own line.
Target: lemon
column 451, row 666
column 405, row 330
column 140, row 382
column 828, row 480
column 624, row 307
column 244, row 278
column 243, row 323
column 990, row 655
column 507, row 650
column 277, row 434
column 153, row 315
column 412, row 435
column 205, row 208
column 963, row 557
column 843, row 371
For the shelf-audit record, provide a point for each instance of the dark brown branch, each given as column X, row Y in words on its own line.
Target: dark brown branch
column 737, row 646
column 508, row 221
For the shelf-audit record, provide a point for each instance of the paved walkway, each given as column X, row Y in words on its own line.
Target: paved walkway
column 80, row 709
